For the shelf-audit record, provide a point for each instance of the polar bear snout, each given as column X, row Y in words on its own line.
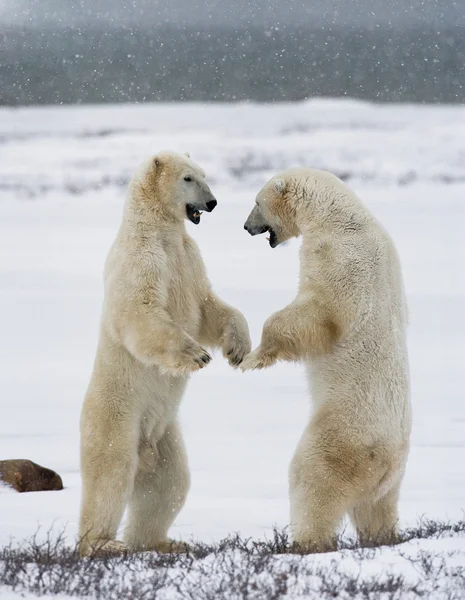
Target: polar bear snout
column 194, row 211
column 256, row 223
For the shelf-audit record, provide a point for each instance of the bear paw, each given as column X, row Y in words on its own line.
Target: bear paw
column 235, row 347
column 257, row 360
column 191, row 357
column 194, row 357
column 172, row 547
column 313, row 547
column 104, row 549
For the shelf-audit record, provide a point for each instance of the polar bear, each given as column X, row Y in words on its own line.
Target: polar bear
column 159, row 316
column 348, row 324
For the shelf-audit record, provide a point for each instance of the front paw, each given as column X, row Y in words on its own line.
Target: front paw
column 258, row 359
column 194, row 357
column 191, row 357
column 236, row 346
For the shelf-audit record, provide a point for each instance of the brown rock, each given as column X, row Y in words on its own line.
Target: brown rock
column 26, row 476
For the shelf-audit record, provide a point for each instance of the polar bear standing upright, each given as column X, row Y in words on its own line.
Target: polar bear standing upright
column 348, row 323
column 159, row 314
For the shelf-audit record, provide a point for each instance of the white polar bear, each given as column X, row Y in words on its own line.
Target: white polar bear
column 159, row 313
column 348, row 323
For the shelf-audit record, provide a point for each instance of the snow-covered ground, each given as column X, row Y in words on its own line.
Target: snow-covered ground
column 62, row 172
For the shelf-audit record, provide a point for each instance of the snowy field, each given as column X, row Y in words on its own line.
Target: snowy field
column 63, row 173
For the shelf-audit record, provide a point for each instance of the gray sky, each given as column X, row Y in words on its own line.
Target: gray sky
column 234, row 12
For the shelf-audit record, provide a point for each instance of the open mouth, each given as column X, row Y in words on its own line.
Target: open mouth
column 272, row 239
column 193, row 214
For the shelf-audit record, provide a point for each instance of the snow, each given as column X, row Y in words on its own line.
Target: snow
column 5, row 488
column 61, row 170
column 430, row 568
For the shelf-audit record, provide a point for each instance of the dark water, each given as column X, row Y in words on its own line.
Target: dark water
column 166, row 63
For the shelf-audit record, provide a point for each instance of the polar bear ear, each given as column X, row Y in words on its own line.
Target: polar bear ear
column 280, row 186
column 188, row 154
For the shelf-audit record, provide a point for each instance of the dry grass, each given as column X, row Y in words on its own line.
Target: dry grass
column 234, row 568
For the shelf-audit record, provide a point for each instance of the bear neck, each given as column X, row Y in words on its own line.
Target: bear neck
column 138, row 225
column 331, row 213
column 144, row 215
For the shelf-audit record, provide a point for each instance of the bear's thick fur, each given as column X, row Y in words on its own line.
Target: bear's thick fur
column 348, row 324
column 159, row 315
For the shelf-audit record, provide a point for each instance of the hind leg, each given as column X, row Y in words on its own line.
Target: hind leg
column 160, row 489
column 319, row 498
column 108, row 466
column 376, row 522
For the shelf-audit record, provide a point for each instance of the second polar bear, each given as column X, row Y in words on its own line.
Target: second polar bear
column 348, row 323
column 159, row 315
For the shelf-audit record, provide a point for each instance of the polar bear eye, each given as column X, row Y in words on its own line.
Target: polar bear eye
column 187, row 178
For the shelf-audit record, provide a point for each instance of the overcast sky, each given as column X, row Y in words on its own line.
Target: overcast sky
column 234, row 12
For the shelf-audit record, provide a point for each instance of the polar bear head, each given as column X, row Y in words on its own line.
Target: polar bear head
column 171, row 185
column 299, row 200
column 275, row 210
